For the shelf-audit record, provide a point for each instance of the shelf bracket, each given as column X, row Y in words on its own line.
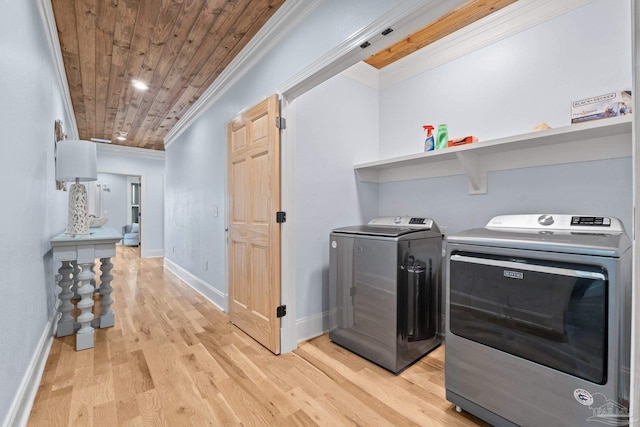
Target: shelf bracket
column 368, row 175
column 476, row 171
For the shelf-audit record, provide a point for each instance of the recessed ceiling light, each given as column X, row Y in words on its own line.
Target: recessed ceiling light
column 122, row 135
column 139, row 84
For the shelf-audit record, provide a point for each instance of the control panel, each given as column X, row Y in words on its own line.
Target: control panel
column 573, row 223
column 418, row 221
column 403, row 221
column 591, row 221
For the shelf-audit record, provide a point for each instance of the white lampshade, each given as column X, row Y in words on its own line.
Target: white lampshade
column 76, row 159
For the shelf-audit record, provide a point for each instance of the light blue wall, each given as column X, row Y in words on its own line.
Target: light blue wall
column 196, row 160
column 510, row 86
column 591, row 188
column 336, row 127
column 32, row 211
column 152, row 233
column 114, row 201
column 505, row 89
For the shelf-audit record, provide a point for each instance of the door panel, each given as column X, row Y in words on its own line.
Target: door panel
column 239, row 257
column 239, row 138
column 260, row 189
column 239, row 173
column 260, row 263
column 254, row 235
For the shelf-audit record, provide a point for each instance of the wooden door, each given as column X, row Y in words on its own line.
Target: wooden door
column 254, row 234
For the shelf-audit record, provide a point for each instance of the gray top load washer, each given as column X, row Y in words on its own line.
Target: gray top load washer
column 385, row 289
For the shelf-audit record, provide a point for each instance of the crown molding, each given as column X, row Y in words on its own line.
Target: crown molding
column 122, row 150
column 290, row 14
column 51, row 31
column 517, row 17
column 364, row 73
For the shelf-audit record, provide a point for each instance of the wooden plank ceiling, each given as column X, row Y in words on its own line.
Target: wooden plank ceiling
column 178, row 48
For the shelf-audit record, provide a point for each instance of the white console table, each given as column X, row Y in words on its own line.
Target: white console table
column 78, row 255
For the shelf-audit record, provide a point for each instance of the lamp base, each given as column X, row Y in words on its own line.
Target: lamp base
column 78, row 221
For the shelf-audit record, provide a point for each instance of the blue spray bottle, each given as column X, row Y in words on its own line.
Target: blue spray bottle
column 429, row 143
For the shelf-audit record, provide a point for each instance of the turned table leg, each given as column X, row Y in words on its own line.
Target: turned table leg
column 74, row 288
column 85, row 335
column 66, row 321
column 107, row 315
column 93, row 281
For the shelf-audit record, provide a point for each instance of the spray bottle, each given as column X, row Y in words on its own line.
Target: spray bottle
column 429, row 143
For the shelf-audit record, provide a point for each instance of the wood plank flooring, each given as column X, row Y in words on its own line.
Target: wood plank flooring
column 173, row 359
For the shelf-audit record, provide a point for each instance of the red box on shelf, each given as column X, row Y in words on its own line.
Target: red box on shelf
column 462, row 141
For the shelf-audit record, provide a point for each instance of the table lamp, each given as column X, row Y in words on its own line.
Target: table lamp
column 76, row 162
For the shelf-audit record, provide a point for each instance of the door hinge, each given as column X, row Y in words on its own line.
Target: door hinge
column 281, row 123
column 281, row 311
column 281, row 217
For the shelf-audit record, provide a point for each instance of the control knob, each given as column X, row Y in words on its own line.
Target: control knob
column 545, row 220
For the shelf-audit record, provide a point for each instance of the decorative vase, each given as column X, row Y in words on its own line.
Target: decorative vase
column 78, row 222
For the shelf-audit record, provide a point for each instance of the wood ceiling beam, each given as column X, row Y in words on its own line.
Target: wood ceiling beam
column 450, row 22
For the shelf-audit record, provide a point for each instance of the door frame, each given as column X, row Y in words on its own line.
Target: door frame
column 288, row 325
column 143, row 194
column 133, row 179
column 634, row 398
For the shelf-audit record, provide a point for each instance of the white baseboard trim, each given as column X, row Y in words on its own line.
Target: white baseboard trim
column 312, row 326
column 214, row 296
column 21, row 406
column 152, row 253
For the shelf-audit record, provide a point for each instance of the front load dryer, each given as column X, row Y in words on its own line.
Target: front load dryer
column 538, row 321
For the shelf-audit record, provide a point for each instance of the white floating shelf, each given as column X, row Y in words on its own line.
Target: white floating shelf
column 581, row 142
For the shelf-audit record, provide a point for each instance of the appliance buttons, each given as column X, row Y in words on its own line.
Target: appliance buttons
column 397, row 219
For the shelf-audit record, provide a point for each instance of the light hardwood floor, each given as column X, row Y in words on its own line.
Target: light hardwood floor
column 173, row 359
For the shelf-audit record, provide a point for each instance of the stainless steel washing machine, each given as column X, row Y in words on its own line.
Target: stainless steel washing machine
column 538, row 321
column 385, row 289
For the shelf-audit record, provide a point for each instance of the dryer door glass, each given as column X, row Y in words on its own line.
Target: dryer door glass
column 547, row 312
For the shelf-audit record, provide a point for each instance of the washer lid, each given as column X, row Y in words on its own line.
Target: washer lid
column 376, row 230
column 393, row 227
